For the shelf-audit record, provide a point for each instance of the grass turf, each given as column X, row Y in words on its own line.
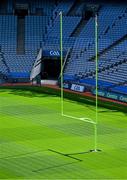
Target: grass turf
column 31, row 126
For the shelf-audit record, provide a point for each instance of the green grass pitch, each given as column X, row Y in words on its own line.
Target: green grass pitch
column 31, row 126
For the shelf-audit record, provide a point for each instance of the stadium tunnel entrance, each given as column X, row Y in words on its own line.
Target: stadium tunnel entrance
column 51, row 65
column 50, row 68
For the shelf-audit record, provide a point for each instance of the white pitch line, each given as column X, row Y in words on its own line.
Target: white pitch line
column 81, row 119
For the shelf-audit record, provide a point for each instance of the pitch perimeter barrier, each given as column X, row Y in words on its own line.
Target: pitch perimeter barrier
column 72, row 95
column 111, row 95
column 102, row 93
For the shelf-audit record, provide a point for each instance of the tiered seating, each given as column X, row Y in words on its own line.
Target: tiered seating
column 8, row 39
column 113, row 64
column 54, row 43
column 110, row 28
column 84, row 47
column 8, row 25
column 44, row 31
column 69, row 24
column 52, row 37
column 34, row 31
column 20, row 63
column 3, row 67
column 45, row 7
column 63, row 6
column 105, row 19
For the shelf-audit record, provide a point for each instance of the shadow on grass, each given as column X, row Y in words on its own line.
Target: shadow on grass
column 35, row 93
column 112, row 111
column 28, row 93
column 101, row 110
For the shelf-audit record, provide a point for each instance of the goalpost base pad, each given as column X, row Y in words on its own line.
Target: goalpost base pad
column 95, row 150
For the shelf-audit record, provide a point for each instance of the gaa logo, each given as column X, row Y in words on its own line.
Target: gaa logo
column 54, row 53
column 76, row 87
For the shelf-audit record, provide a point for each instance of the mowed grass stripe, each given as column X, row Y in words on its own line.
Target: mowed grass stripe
column 31, row 124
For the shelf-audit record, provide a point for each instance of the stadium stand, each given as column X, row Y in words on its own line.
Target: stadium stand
column 23, row 34
column 3, row 66
column 34, row 31
column 112, row 62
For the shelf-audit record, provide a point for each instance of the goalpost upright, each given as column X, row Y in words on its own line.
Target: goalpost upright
column 87, row 120
column 61, row 50
column 96, row 59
